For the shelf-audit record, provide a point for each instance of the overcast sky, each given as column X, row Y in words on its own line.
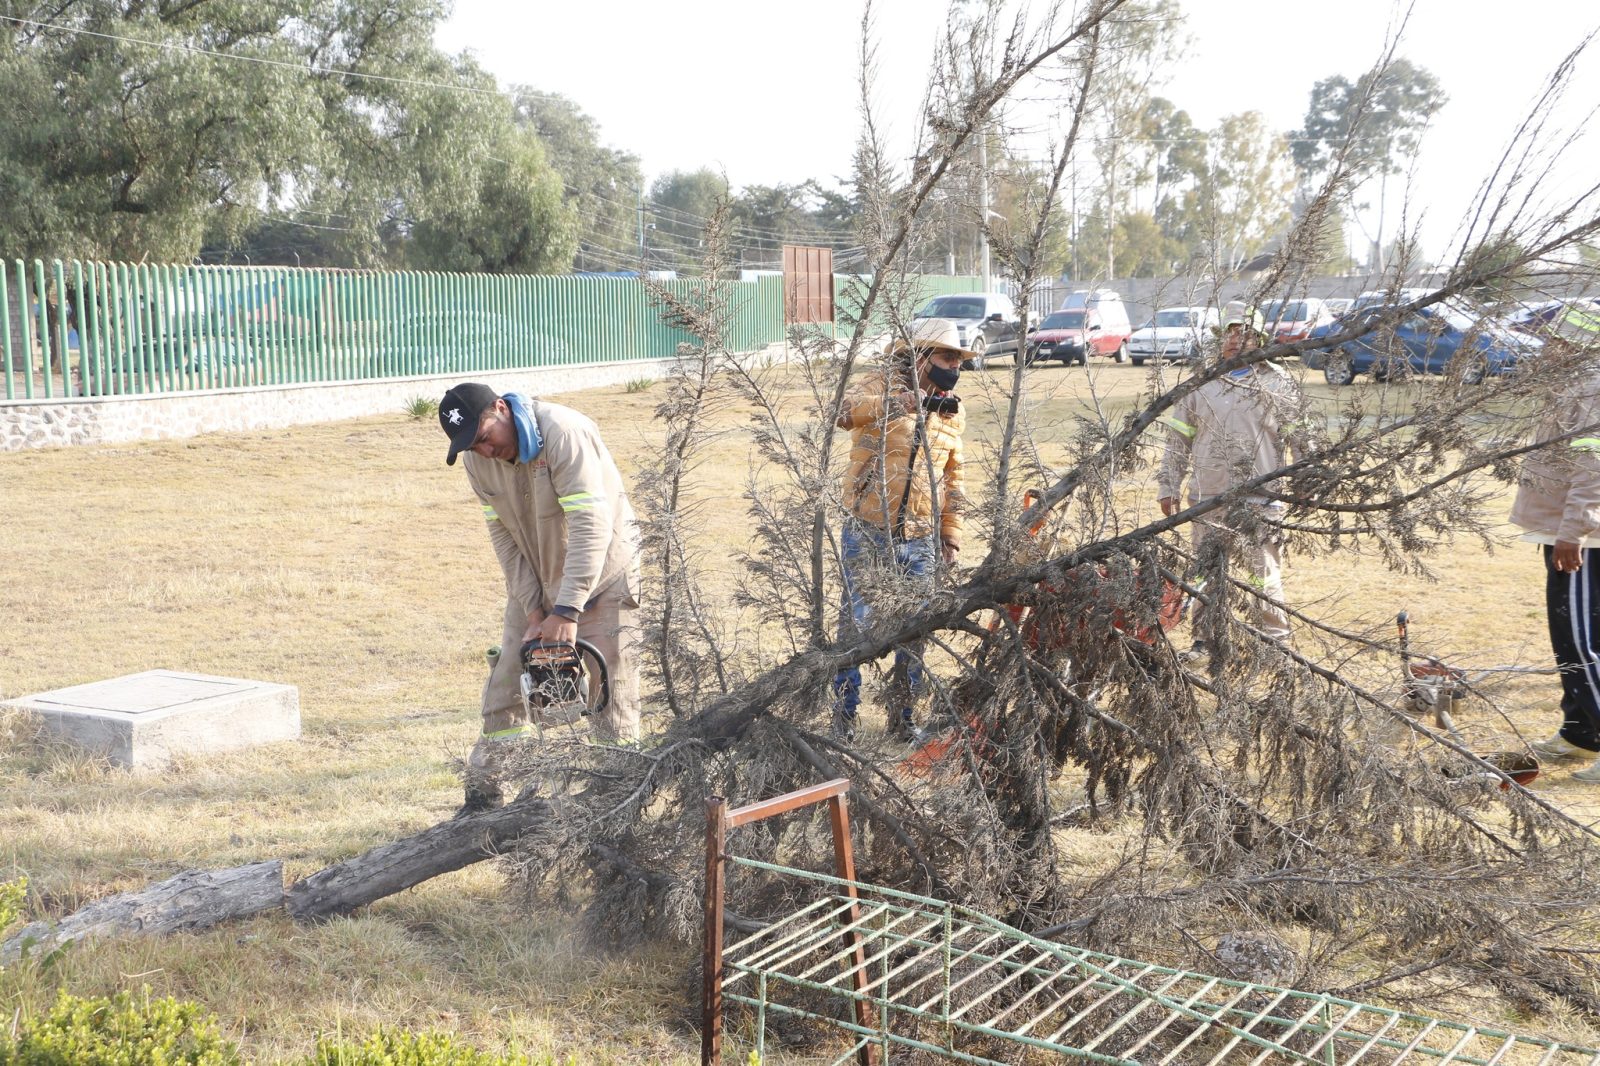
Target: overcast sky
column 768, row 93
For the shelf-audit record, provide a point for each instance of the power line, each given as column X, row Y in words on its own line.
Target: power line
column 757, row 233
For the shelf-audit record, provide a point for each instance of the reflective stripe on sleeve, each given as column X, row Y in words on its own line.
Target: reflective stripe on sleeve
column 489, row 514
column 1581, row 320
column 1586, row 444
column 580, row 501
column 1180, row 426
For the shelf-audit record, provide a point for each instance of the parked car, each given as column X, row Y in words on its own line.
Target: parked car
column 1338, row 305
column 1387, row 298
column 1110, row 315
column 1428, row 341
column 1174, row 334
column 1533, row 317
column 1070, row 336
column 981, row 319
column 1293, row 320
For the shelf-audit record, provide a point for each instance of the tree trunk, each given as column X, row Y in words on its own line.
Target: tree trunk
column 342, row 888
column 191, row 901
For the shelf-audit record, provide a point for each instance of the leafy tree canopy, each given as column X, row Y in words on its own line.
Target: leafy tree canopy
column 149, row 131
column 1381, row 114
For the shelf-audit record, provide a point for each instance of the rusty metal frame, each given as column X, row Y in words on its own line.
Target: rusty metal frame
column 719, row 820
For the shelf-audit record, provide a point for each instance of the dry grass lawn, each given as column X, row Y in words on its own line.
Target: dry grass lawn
column 348, row 560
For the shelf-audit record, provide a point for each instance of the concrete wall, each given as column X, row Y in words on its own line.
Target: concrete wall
column 118, row 419
column 1143, row 296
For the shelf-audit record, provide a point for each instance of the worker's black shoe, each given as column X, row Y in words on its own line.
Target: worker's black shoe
column 904, row 729
column 843, row 728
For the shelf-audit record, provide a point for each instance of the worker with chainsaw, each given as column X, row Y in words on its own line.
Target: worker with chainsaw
column 1558, row 504
column 568, row 543
column 1232, row 429
column 902, row 523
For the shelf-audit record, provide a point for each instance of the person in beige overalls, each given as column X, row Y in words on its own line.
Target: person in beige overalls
column 1228, row 431
column 567, row 540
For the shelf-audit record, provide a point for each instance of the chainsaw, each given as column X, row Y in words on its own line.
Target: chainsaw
column 562, row 683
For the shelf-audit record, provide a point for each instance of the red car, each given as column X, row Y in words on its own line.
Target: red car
column 1067, row 336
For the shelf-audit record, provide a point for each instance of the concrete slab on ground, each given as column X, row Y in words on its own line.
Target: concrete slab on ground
column 147, row 719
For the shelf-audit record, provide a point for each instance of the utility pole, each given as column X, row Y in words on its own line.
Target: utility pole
column 640, row 195
column 983, row 208
column 1075, row 217
column 1383, row 193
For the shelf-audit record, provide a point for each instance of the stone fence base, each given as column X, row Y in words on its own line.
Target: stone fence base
column 117, row 419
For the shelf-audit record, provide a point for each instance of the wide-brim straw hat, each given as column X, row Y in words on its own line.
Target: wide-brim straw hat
column 932, row 333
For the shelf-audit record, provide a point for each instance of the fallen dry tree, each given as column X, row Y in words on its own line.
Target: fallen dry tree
column 1279, row 790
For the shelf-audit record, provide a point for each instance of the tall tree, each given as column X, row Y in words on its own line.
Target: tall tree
column 602, row 184
column 681, row 205
column 1240, row 200
column 1145, row 40
column 1380, row 117
column 1383, row 113
column 121, row 149
column 513, row 221
column 144, row 131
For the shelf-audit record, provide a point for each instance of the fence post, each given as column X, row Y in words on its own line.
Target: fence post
column 5, row 314
column 25, row 316
column 711, row 978
column 845, row 866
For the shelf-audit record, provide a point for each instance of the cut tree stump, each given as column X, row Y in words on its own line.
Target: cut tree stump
column 191, row 901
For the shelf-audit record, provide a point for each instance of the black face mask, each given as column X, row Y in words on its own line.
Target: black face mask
column 942, row 378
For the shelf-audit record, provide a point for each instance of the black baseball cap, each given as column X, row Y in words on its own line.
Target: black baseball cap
column 460, row 412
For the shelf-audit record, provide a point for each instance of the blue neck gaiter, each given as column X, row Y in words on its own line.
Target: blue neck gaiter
column 528, row 440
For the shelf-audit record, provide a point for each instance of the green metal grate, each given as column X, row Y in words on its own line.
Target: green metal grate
column 963, row 986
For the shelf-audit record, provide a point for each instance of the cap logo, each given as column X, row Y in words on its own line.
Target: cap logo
column 455, row 416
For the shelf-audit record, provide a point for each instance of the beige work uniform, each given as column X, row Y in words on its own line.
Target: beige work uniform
column 565, row 534
column 1558, row 493
column 1226, row 432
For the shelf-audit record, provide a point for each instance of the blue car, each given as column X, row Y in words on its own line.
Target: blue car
column 1429, row 341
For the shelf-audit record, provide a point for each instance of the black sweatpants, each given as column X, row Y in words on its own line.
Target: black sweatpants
column 1573, row 604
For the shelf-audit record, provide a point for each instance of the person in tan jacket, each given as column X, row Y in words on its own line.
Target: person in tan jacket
column 903, row 426
column 568, row 544
column 1558, row 503
column 1226, row 432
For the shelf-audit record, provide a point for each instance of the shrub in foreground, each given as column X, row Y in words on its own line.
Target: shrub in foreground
column 122, row 1030
column 130, row 1030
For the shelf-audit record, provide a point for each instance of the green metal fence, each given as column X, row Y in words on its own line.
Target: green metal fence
column 104, row 329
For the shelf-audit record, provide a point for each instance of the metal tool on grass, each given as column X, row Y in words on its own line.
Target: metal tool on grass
column 1437, row 690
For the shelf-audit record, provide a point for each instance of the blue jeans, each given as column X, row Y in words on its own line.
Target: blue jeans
column 865, row 549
